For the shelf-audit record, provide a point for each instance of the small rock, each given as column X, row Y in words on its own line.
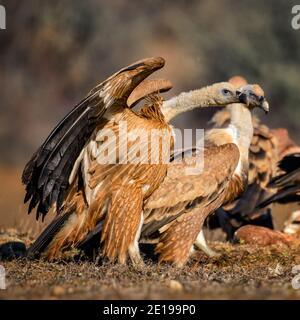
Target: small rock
column 292, row 225
column 262, row 236
column 70, row 290
column 12, row 250
column 175, row 285
column 278, row 271
column 58, row 291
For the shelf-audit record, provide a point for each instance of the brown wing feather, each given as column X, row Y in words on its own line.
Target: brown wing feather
column 122, row 221
column 123, row 218
column 219, row 164
column 180, row 192
column 146, row 88
column 263, row 156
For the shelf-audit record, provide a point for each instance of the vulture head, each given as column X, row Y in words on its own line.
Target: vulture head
column 253, row 96
column 222, row 94
column 250, row 94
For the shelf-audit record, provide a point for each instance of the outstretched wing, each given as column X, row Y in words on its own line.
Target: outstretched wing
column 46, row 175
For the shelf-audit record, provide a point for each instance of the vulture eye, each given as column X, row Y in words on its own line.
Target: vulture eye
column 226, row 92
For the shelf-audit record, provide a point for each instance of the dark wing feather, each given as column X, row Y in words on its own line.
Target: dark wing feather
column 62, row 158
column 286, row 179
column 47, row 235
column 285, row 195
column 52, row 164
column 246, row 204
column 288, row 183
column 39, row 157
column 92, row 240
column 290, row 162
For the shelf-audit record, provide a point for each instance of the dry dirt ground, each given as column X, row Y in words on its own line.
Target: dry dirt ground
column 242, row 272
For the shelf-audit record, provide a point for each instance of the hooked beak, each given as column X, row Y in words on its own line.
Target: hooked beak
column 243, row 98
column 265, row 105
column 258, row 101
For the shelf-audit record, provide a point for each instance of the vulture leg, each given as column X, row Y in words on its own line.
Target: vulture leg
column 122, row 224
column 178, row 237
column 201, row 244
column 133, row 250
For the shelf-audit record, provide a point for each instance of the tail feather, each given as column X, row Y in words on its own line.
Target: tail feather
column 47, row 235
column 285, row 179
column 286, row 195
column 95, row 233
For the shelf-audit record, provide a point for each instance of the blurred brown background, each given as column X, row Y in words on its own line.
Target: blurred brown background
column 54, row 52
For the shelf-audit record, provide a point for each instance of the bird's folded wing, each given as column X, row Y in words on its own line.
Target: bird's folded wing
column 288, row 183
column 262, row 156
column 181, row 191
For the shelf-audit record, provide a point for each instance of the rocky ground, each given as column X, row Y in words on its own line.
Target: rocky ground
column 242, row 272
